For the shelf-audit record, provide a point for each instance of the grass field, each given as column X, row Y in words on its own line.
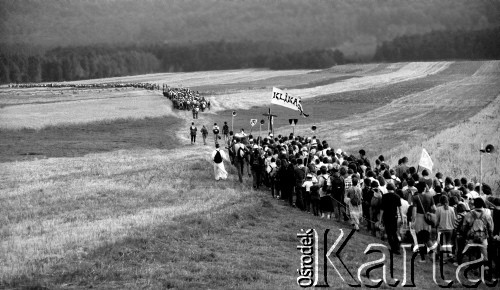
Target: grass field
column 100, row 188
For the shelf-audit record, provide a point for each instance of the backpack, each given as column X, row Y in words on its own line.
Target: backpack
column 356, row 199
column 366, row 196
column 376, row 201
column 477, row 233
column 272, row 173
column 217, row 157
column 324, row 185
column 240, row 154
column 256, row 160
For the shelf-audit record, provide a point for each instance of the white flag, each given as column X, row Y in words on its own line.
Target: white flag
column 284, row 99
column 425, row 160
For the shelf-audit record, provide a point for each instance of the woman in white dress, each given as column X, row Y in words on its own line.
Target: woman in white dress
column 218, row 157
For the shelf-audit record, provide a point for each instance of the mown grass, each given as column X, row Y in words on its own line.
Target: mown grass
column 72, row 140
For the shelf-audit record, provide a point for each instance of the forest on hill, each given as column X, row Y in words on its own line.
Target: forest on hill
column 300, row 24
column 47, row 40
column 483, row 44
column 90, row 62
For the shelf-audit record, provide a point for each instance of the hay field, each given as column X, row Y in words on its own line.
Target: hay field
column 151, row 216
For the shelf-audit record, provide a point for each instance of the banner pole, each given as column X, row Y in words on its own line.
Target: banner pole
column 481, row 169
column 260, row 133
column 269, row 121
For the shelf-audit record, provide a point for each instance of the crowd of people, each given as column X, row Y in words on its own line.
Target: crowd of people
column 146, row 86
column 396, row 203
column 186, row 99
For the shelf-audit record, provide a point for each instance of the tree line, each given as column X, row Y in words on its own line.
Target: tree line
column 305, row 24
column 481, row 44
column 89, row 62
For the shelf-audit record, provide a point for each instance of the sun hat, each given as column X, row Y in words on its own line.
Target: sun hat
column 339, row 151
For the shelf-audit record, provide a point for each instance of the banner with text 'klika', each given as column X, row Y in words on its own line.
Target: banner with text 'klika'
column 284, row 99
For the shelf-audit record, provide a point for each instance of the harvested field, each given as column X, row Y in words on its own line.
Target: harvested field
column 39, row 115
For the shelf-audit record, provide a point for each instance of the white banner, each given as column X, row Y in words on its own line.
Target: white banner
column 284, row 99
column 425, row 160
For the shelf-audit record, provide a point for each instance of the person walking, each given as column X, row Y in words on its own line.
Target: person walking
column 239, row 158
column 225, row 131
column 204, row 134
column 196, row 111
column 324, row 183
column 478, row 226
column 445, row 220
column 193, row 131
column 216, row 131
column 423, row 203
column 218, row 156
column 391, row 205
column 355, row 199
column 461, row 236
column 257, row 164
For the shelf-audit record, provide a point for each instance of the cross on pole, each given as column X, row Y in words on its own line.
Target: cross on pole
column 270, row 125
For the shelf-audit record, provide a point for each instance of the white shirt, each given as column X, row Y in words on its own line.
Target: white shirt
column 472, row 194
column 307, row 184
column 404, row 209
